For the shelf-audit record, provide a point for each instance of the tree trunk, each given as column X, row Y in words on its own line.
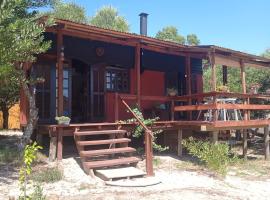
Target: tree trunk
column 33, row 113
column 5, row 116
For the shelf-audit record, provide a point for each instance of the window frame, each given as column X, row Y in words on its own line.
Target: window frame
column 114, row 87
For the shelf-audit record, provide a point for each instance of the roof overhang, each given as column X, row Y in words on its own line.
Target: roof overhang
column 223, row 56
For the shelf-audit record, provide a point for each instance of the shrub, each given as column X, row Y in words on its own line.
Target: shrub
column 216, row 157
column 49, row 175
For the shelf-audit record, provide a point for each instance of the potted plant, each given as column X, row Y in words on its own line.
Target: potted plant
column 172, row 92
column 223, row 88
column 63, row 120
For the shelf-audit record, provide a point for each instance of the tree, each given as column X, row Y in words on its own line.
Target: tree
column 108, row 17
column 266, row 54
column 170, row 33
column 193, row 40
column 68, row 11
column 21, row 40
column 9, row 91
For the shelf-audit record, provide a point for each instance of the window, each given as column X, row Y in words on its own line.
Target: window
column 117, row 80
column 66, row 90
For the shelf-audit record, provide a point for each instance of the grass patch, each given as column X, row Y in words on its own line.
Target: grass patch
column 49, row 175
column 9, row 155
column 157, row 162
column 251, row 168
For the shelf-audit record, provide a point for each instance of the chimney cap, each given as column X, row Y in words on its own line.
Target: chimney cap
column 143, row 14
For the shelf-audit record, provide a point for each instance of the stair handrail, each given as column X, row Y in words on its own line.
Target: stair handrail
column 147, row 130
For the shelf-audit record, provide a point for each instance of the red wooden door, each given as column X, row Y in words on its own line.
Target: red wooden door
column 97, row 93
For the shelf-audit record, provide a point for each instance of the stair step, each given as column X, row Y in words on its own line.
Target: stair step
column 122, row 172
column 108, row 163
column 103, row 132
column 106, row 151
column 98, row 142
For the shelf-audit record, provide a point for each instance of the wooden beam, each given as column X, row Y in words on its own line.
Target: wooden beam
column 188, row 82
column 52, row 150
column 214, row 75
column 60, row 58
column 215, row 137
column 116, row 107
column 245, row 145
column 138, row 73
column 149, row 154
column 266, row 143
column 60, row 144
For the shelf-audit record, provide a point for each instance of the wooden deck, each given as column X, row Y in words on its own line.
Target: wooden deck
column 60, row 131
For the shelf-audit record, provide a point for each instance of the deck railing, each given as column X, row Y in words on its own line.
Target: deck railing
column 148, row 141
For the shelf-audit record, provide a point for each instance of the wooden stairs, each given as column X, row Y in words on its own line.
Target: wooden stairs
column 104, row 149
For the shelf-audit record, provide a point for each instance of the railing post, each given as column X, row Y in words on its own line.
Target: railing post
column 172, row 110
column 149, row 153
column 116, row 107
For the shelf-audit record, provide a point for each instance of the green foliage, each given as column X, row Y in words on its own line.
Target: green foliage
column 9, row 91
column 9, row 155
column 266, row 54
column 29, row 156
column 192, row 40
column 215, row 156
column 253, row 76
column 37, row 193
column 21, row 40
column 157, row 162
column 68, row 11
column 49, row 175
column 108, row 17
column 170, row 33
column 139, row 130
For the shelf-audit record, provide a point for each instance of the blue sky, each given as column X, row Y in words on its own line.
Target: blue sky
column 238, row 24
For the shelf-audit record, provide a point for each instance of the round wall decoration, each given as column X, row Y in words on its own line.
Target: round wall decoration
column 100, row 51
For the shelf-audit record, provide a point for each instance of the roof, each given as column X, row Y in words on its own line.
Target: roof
column 133, row 39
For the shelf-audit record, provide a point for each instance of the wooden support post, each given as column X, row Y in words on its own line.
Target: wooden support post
column 138, row 73
column 266, row 143
column 149, row 154
column 214, row 75
column 244, row 88
column 225, row 74
column 60, row 144
column 188, row 83
column 116, row 111
column 245, row 144
column 52, row 151
column 172, row 110
column 60, row 59
column 179, row 140
column 215, row 137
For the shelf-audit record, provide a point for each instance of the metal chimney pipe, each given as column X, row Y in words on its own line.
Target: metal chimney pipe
column 143, row 23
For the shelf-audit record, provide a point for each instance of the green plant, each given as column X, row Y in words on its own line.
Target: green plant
column 157, row 162
column 172, row 91
column 49, row 175
column 216, row 157
column 37, row 193
column 62, row 118
column 29, row 156
column 138, row 131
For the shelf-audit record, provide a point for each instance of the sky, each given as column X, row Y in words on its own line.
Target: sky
column 242, row 25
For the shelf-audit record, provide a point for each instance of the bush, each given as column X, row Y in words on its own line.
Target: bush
column 216, row 157
column 49, row 175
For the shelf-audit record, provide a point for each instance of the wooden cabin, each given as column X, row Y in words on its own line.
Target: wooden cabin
column 95, row 75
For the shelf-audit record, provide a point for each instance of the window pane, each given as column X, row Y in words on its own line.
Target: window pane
column 65, row 83
column 65, row 73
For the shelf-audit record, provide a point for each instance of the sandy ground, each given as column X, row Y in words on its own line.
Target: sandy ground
column 179, row 178
column 175, row 184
